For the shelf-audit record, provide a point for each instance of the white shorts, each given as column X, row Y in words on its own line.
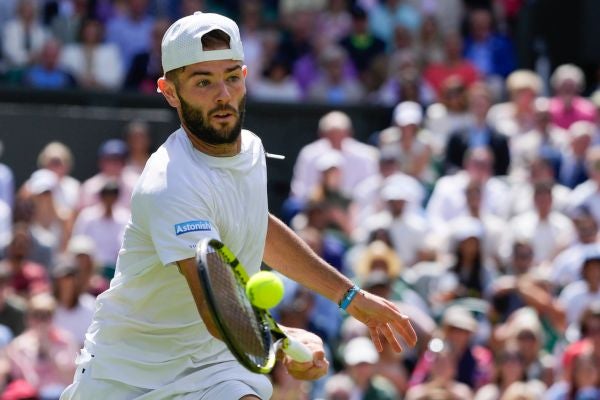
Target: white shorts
column 226, row 380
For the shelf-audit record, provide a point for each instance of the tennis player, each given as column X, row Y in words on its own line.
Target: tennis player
column 147, row 339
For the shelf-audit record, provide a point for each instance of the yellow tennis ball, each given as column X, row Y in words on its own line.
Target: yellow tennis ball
column 264, row 289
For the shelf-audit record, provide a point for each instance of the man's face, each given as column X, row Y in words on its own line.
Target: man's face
column 196, row 120
column 212, row 100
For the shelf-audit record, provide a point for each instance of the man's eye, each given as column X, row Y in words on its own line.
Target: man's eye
column 203, row 83
column 233, row 78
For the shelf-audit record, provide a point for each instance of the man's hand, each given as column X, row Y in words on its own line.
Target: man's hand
column 310, row 370
column 382, row 316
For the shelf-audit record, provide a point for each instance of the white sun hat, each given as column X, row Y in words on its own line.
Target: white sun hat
column 182, row 43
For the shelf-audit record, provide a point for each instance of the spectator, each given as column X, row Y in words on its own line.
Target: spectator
column 276, row 84
column 384, row 16
column 540, row 169
column 577, row 295
column 448, row 199
column 582, row 384
column 66, row 25
column 448, row 14
column 131, row 31
column 335, row 131
column 492, row 53
column 39, row 252
column 404, row 82
column 449, row 115
column 12, row 312
column 57, row 158
column 549, row 231
column 411, row 144
column 27, row 277
column 360, row 358
column 587, row 194
column 93, row 63
column 367, row 198
column 252, row 32
column 104, row 223
column 503, row 292
column 517, row 116
column 82, row 248
column 567, row 106
column 75, row 308
column 442, row 381
column 7, row 182
column 429, row 44
column 470, row 364
column 137, row 136
column 328, row 192
column 146, row 66
column 362, row 46
column 23, row 37
column 43, row 354
column 112, row 156
column 585, row 336
column 333, row 86
column 573, row 171
column 479, row 134
column 6, row 201
column 492, row 225
column 544, row 141
column 377, row 256
column 298, row 49
column 566, row 267
column 453, row 64
column 468, row 268
column 335, row 22
column 48, row 224
column 406, row 228
column 48, row 73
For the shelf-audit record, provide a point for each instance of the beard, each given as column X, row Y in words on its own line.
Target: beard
column 194, row 121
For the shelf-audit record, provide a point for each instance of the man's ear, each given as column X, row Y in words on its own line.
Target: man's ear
column 167, row 88
column 245, row 70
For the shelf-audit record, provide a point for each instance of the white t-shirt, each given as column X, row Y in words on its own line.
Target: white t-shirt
column 146, row 328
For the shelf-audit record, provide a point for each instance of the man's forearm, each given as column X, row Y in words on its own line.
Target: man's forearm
column 288, row 254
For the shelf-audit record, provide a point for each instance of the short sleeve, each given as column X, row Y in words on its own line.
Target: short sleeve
column 176, row 225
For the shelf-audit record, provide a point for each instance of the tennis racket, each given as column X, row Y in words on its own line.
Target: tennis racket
column 250, row 333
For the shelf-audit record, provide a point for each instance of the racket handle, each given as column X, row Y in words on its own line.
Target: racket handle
column 296, row 350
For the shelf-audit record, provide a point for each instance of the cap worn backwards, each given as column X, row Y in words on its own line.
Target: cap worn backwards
column 182, row 43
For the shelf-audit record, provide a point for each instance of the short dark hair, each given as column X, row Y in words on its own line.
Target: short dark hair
column 212, row 40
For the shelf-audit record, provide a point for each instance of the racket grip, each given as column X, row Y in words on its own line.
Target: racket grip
column 296, row 350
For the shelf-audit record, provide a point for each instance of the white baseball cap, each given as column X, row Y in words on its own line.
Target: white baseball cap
column 408, row 113
column 360, row 350
column 182, row 43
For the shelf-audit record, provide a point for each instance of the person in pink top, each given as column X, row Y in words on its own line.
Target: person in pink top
column 567, row 106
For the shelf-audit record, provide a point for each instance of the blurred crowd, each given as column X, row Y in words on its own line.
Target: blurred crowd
column 331, row 51
column 477, row 209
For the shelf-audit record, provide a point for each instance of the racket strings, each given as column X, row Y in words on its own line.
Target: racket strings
column 236, row 312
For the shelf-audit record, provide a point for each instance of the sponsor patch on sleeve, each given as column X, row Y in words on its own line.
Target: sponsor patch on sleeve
column 192, row 226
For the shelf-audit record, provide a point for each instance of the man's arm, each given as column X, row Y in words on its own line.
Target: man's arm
column 307, row 370
column 189, row 270
column 287, row 253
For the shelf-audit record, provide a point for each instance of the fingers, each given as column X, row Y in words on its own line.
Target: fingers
column 375, row 338
column 391, row 338
column 307, row 370
column 406, row 330
column 403, row 326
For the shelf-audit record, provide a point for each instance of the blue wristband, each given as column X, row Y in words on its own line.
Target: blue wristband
column 350, row 294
